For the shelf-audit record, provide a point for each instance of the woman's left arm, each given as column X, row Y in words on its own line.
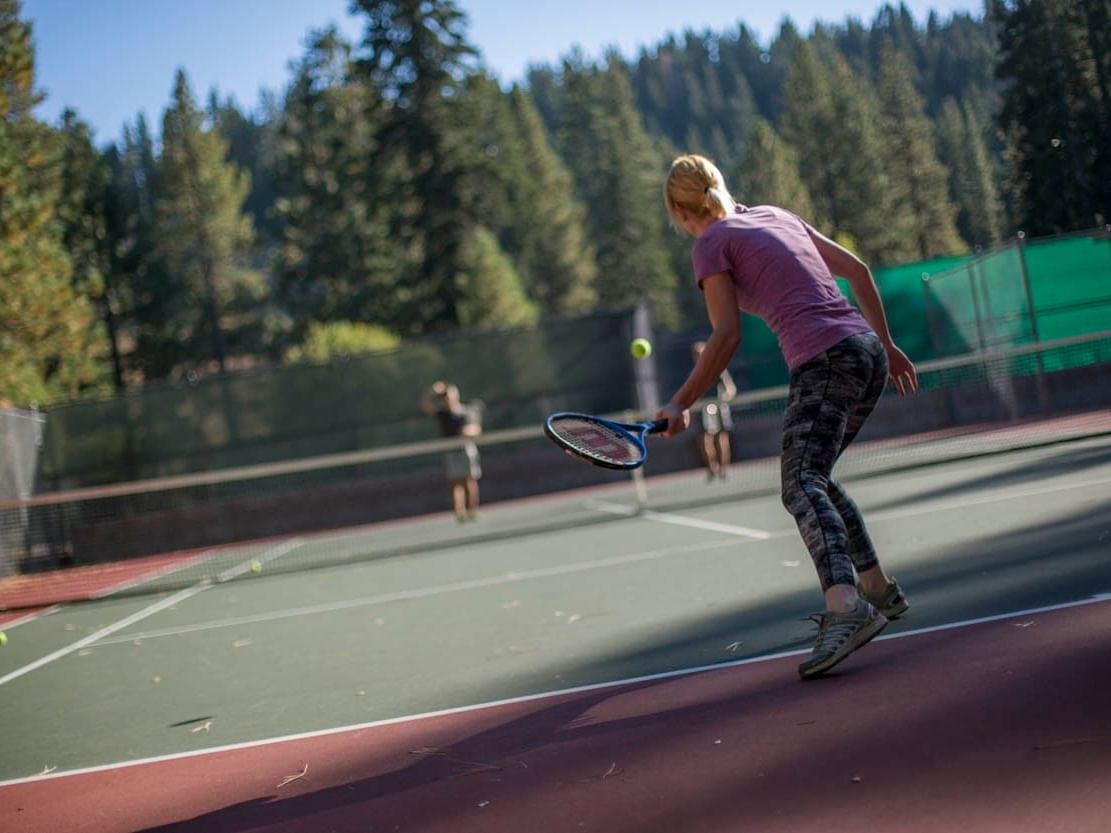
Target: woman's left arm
column 844, row 263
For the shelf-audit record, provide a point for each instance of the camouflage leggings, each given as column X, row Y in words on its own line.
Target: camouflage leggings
column 830, row 397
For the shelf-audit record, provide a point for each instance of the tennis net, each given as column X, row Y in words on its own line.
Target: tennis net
column 158, row 535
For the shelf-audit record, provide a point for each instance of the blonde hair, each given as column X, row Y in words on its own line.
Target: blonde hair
column 695, row 184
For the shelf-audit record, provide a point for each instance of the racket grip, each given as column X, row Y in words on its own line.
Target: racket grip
column 657, row 426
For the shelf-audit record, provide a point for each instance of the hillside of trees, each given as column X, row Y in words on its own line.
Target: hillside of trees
column 395, row 188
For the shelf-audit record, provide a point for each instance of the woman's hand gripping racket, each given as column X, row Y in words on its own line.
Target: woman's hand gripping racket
column 603, row 442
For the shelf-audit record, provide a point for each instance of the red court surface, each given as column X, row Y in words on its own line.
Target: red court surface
column 1001, row 725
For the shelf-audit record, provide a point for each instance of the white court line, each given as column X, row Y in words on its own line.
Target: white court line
column 528, row 698
column 406, row 595
column 426, row 592
column 150, row 610
column 678, row 520
column 165, row 571
column 265, row 557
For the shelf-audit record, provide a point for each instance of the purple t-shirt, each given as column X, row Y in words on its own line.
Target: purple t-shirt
column 779, row 275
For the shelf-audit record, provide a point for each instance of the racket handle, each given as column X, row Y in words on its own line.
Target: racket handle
column 657, row 426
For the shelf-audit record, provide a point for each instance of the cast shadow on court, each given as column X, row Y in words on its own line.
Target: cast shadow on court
column 955, row 717
column 790, row 750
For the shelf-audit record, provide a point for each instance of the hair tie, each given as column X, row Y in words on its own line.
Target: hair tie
column 706, row 190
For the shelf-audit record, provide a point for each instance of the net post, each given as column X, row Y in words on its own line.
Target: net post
column 640, row 490
column 640, row 485
column 644, row 370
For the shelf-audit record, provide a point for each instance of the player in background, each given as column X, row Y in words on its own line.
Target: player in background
column 461, row 465
column 768, row 262
column 717, row 421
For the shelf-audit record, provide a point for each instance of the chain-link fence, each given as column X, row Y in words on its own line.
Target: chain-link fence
column 343, row 405
column 1024, row 291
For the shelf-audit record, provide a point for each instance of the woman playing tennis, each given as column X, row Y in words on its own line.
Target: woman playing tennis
column 766, row 261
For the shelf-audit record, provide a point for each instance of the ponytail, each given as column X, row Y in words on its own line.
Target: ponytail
column 696, row 185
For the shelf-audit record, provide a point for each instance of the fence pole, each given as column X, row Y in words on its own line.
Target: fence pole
column 644, row 370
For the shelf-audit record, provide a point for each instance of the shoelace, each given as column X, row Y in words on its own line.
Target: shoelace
column 830, row 637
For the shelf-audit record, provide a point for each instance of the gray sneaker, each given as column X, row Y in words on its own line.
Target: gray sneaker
column 839, row 634
column 892, row 602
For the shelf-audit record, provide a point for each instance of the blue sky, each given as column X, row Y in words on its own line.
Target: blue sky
column 111, row 59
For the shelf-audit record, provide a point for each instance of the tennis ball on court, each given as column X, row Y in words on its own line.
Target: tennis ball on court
column 3, row 638
column 256, row 567
column 641, row 348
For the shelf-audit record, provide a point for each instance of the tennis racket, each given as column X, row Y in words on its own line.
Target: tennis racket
column 603, row 442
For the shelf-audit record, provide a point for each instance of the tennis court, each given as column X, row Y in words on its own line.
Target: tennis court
column 632, row 674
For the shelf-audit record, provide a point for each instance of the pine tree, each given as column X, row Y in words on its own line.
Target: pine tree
column 555, row 261
column 1055, row 113
column 251, row 142
column 831, row 120
column 45, row 323
column 140, row 294
column 918, row 181
column 491, row 295
column 544, row 90
column 203, row 235
column 694, row 97
column 971, row 182
column 415, row 52
column 769, row 174
column 337, row 259
column 83, row 212
column 523, row 194
column 617, row 173
column 959, row 63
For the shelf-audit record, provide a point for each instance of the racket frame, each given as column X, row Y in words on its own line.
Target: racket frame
column 634, row 432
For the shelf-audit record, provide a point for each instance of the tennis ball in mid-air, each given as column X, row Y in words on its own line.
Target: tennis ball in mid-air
column 256, row 567
column 641, row 348
column 3, row 638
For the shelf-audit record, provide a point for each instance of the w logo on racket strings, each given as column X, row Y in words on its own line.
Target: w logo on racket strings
column 603, row 442
column 600, row 442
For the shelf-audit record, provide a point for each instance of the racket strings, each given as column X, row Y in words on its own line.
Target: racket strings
column 597, row 440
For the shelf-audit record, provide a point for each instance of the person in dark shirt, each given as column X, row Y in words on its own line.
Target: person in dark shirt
column 461, row 465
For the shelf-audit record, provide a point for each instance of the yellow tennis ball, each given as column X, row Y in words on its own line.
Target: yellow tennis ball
column 256, row 567
column 641, row 348
column 3, row 638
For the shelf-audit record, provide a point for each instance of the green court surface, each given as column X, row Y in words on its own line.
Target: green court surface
column 279, row 654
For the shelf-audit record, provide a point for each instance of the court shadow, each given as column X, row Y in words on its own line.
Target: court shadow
column 968, row 737
column 1031, row 566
